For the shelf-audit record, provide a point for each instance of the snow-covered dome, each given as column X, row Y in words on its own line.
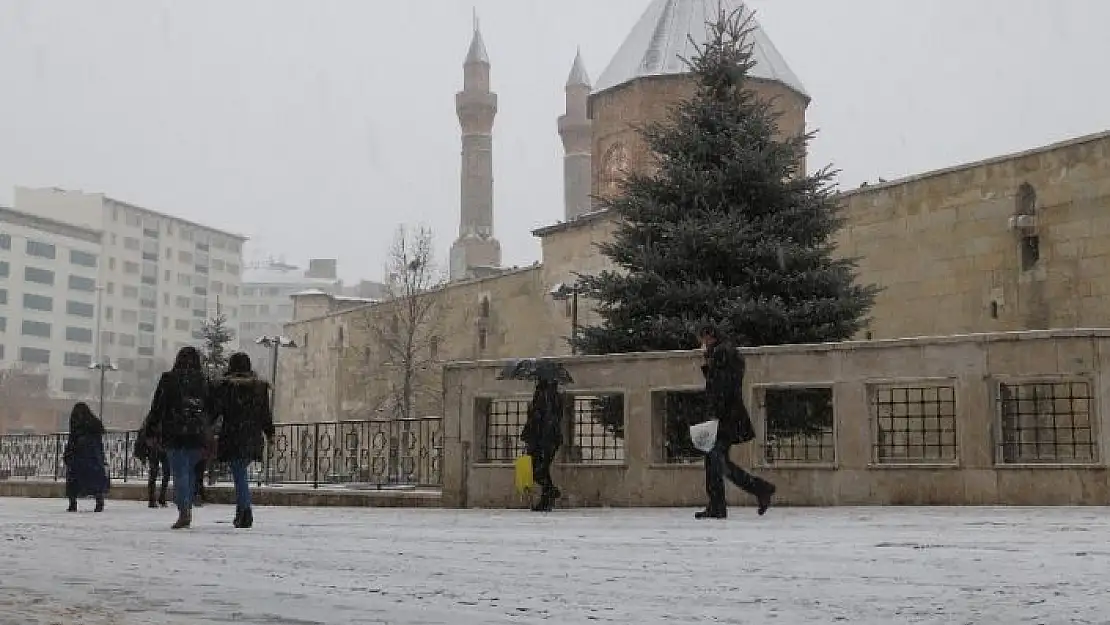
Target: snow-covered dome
column 662, row 39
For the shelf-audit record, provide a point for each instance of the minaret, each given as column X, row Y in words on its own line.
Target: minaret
column 476, row 106
column 576, row 130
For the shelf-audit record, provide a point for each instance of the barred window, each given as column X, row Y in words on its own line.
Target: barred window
column 914, row 423
column 504, row 419
column 798, row 425
column 596, row 429
column 676, row 411
column 1046, row 422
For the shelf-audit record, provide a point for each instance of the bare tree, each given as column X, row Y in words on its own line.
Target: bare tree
column 405, row 330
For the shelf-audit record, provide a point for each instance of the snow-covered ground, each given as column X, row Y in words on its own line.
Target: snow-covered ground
column 641, row 567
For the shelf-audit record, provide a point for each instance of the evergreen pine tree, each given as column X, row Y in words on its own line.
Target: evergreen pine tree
column 729, row 229
column 217, row 335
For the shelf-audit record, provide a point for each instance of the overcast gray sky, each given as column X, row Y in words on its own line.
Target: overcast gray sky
column 315, row 126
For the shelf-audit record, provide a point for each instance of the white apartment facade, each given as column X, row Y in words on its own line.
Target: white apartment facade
column 158, row 277
column 48, row 296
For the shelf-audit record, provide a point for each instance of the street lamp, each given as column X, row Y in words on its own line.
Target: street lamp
column 103, row 367
column 102, row 363
column 561, row 293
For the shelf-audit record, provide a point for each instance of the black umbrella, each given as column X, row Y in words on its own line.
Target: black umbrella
column 537, row 370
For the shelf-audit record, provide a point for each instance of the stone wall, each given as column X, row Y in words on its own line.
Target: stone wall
column 1008, row 418
column 340, row 372
column 943, row 248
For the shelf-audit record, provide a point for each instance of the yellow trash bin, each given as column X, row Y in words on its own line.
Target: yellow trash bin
column 524, row 482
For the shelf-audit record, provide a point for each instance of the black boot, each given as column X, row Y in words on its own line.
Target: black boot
column 248, row 519
column 72, row 506
column 238, row 522
column 712, row 512
column 764, row 497
column 162, row 497
column 184, row 520
column 152, row 503
column 99, row 505
column 546, row 502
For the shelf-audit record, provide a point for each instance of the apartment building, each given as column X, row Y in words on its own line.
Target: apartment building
column 48, row 299
column 158, row 279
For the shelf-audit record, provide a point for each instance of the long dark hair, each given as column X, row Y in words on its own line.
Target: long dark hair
column 188, row 359
column 83, row 421
column 239, row 364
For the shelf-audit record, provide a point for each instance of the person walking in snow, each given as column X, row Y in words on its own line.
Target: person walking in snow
column 242, row 405
column 86, row 470
column 542, row 436
column 157, row 463
column 181, row 422
column 723, row 369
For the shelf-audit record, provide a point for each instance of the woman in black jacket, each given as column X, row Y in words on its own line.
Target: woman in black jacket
column 724, row 383
column 180, row 421
column 242, row 403
column 86, row 473
column 543, row 435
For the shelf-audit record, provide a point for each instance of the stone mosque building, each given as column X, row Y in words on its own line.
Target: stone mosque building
column 1016, row 242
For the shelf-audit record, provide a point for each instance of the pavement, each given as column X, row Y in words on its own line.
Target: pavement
column 306, row 566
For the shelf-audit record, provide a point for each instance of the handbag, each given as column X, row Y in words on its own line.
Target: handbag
column 523, row 472
column 704, row 435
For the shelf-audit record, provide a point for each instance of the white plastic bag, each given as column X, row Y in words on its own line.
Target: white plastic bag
column 704, row 435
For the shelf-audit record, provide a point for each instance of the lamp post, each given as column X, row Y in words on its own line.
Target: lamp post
column 101, row 364
column 561, row 293
column 274, row 343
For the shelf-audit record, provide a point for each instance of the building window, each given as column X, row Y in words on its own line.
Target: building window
column 76, row 386
column 1030, row 252
column 79, row 335
column 184, row 279
column 127, row 340
column 36, row 328
column 131, row 292
column 41, row 250
column 111, row 263
column 3, row 296
column 3, row 324
column 181, row 325
column 129, row 316
column 38, row 276
column 76, row 359
column 183, row 302
column 81, row 309
column 81, row 283
column 111, row 288
column 481, row 339
column 5, row 269
column 798, row 425
column 130, row 267
column 5, row 241
column 108, row 338
column 483, row 308
column 217, row 264
column 84, row 259
column 38, row 302
column 433, row 348
column 34, row 356
column 1045, row 422
column 914, row 424
column 131, row 243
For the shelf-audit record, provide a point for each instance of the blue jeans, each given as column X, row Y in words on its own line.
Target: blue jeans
column 242, row 483
column 182, row 465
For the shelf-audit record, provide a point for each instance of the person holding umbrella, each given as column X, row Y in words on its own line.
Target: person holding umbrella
column 543, row 429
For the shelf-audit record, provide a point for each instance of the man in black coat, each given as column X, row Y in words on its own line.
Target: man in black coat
column 724, row 382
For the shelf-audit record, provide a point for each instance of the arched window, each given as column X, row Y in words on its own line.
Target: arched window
column 1026, row 200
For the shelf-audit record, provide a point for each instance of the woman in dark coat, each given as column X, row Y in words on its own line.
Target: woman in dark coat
column 86, row 470
column 180, row 422
column 724, row 383
column 542, row 436
column 242, row 403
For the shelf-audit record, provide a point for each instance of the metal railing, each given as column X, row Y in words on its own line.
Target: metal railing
column 378, row 453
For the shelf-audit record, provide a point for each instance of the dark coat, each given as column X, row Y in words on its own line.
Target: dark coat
column 242, row 402
column 181, row 413
column 86, row 466
column 543, row 428
column 144, row 451
column 724, row 390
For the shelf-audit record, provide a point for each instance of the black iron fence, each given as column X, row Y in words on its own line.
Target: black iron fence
column 377, row 453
